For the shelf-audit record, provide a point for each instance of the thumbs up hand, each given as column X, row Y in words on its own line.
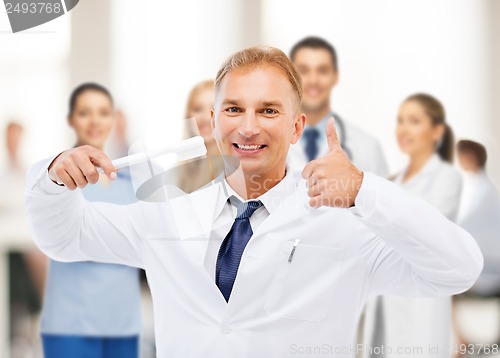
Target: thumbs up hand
column 332, row 180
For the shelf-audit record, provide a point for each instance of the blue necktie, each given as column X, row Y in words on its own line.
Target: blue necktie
column 231, row 249
column 311, row 136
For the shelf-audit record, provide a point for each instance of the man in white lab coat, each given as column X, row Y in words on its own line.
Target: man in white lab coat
column 265, row 262
column 317, row 62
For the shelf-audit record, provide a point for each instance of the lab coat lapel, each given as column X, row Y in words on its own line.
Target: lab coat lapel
column 428, row 169
column 194, row 214
column 292, row 206
column 283, row 216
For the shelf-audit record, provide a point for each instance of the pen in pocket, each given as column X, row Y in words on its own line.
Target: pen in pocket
column 293, row 250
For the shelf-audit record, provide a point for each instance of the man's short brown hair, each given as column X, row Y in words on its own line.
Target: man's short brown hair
column 262, row 55
column 476, row 149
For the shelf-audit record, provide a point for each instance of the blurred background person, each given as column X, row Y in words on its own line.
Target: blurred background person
column 317, row 62
column 199, row 105
column 118, row 145
column 12, row 199
column 423, row 134
column 195, row 174
column 480, row 215
column 27, row 265
column 93, row 309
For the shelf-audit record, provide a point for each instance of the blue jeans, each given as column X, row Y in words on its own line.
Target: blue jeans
column 59, row 346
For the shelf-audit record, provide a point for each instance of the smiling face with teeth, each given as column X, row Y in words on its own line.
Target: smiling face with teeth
column 256, row 118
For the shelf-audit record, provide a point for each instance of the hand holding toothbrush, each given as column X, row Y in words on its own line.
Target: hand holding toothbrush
column 77, row 167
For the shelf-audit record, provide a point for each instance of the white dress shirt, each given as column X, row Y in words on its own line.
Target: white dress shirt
column 389, row 243
column 225, row 214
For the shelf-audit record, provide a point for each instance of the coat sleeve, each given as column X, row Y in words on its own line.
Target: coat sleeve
column 68, row 228
column 415, row 251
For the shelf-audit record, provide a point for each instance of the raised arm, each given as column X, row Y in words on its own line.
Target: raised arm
column 415, row 250
column 66, row 226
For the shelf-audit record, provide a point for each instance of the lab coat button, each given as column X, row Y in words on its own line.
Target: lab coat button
column 224, row 328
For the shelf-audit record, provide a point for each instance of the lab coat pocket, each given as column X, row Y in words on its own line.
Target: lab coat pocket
column 305, row 281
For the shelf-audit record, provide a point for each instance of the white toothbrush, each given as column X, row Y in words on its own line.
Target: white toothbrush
column 187, row 149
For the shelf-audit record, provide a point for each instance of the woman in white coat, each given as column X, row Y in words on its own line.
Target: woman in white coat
column 422, row 326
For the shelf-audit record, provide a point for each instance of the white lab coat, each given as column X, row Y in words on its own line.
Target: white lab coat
column 388, row 243
column 480, row 215
column 424, row 322
column 365, row 151
column 438, row 183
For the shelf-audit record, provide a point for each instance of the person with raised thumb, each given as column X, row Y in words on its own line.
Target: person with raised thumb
column 332, row 180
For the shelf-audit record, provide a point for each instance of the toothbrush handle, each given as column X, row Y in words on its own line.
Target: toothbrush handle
column 186, row 146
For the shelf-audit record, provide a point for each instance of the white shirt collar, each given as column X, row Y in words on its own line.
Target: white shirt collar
column 271, row 199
